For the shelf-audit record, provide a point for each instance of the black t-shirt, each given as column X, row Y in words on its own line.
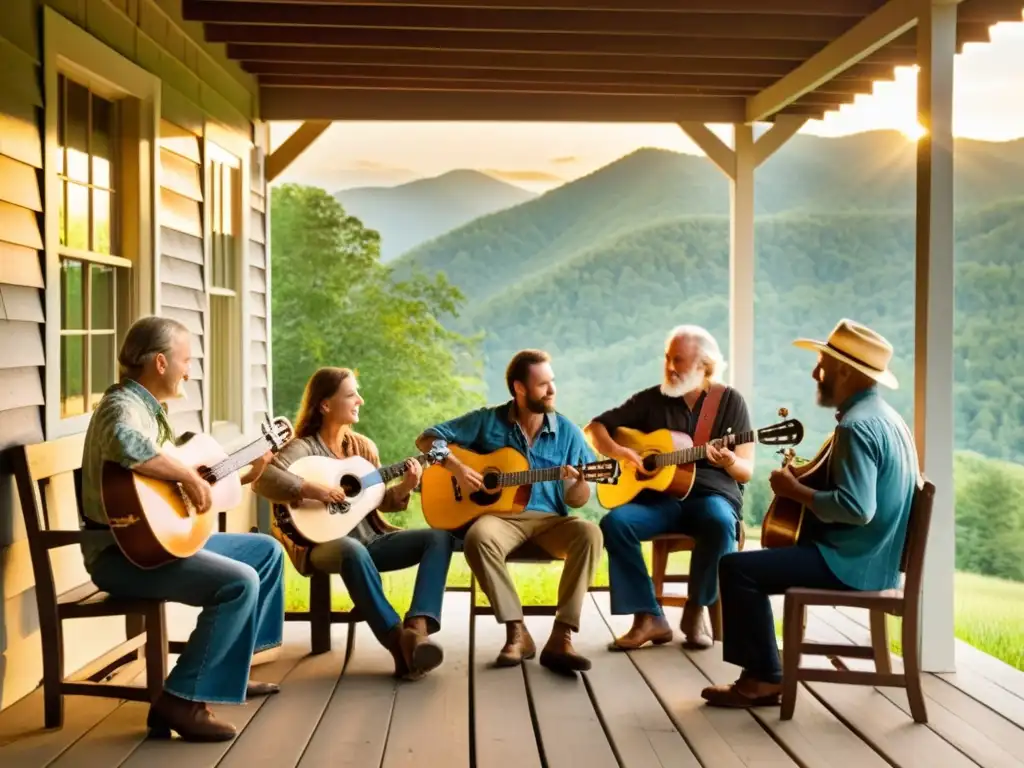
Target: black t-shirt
column 650, row 410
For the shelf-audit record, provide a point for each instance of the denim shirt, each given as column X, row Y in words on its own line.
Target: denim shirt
column 864, row 513
column 558, row 442
column 129, row 426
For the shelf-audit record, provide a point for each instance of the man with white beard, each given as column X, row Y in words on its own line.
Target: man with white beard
column 709, row 513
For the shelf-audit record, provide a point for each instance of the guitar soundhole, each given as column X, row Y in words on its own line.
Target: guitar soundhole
column 491, row 480
column 350, row 485
column 649, row 467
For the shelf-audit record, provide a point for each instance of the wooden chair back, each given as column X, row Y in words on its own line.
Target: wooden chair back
column 49, row 479
column 916, row 542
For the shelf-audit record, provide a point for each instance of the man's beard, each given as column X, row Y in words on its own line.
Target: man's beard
column 538, row 406
column 825, row 394
column 682, row 385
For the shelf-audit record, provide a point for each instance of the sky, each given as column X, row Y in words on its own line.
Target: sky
column 988, row 104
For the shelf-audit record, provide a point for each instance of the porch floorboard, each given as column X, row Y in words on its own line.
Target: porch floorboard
column 632, row 710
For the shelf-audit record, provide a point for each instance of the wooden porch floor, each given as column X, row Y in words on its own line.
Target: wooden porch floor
column 641, row 709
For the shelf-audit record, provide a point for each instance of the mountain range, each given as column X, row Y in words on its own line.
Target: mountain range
column 598, row 270
column 415, row 212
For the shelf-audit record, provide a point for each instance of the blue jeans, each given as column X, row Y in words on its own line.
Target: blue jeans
column 711, row 521
column 748, row 578
column 360, row 567
column 237, row 579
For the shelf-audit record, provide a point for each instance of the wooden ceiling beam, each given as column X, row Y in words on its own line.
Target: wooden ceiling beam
column 750, row 43
column 293, row 146
column 855, row 8
column 418, row 85
column 319, row 74
column 353, row 104
column 568, row 62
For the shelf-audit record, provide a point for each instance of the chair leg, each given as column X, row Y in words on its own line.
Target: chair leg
column 659, row 565
column 320, row 612
column 793, row 619
column 912, row 669
column 156, row 650
column 715, row 614
column 880, row 642
column 350, row 641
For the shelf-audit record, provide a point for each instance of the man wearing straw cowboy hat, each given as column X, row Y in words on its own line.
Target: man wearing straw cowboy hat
column 853, row 539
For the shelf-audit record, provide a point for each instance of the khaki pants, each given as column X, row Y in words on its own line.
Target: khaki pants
column 491, row 538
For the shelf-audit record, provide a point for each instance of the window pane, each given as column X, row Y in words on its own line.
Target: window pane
column 77, row 132
column 103, row 148
column 228, row 201
column 102, row 359
column 72, row 363
column 77, row 217
column 103, row 293
column 101, row 221
column 72, row 304
column 61, row 217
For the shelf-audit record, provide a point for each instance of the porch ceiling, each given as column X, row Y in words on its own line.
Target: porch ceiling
column 557, row 60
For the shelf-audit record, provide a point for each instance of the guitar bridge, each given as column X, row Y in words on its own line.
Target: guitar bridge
column 456, row 489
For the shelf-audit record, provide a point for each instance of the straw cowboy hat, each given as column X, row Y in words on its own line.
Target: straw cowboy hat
column 859, row 347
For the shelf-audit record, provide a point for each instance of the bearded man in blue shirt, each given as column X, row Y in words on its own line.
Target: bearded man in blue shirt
column 853, row 536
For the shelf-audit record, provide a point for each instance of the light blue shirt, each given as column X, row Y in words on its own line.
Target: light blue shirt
column 864, row 514
column 558, row 442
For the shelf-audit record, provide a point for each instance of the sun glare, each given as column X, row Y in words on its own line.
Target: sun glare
column 914, row 132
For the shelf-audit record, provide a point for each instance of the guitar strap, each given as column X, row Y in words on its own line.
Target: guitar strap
column 708, row 412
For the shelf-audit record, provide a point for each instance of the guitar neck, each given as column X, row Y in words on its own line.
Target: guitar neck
column 391, row 471
column 234, row 462
column 698, row 452
column 530, row 476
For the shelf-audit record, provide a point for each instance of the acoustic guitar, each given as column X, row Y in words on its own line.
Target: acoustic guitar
column 364, row 486
column 154, row 521
column 507, row 481
column 669, row 459
column 785, row 518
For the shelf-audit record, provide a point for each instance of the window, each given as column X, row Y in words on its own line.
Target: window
column 101, row 112
column 91, row 270
column 224, row 358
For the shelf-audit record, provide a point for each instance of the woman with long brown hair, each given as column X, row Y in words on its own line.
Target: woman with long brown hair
column 329, row 409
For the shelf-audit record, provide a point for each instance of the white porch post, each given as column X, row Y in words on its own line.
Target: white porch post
column 741, row 265
column 933, row 333
column 739, row 164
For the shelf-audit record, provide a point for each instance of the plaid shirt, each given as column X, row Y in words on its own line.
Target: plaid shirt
column 129, row 426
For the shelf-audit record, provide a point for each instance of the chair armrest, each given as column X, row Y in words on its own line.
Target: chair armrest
column 54, row 539
column 884, row 600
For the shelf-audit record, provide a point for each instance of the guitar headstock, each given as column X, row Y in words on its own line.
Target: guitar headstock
column 605, row 471
column 438, row 452
column 277, row 432
column 788, row 432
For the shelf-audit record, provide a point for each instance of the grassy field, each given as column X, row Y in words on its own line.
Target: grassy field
column 989, row 612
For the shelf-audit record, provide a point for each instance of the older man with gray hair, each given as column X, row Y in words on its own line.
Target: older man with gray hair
column 689, row 393
column 237, row 579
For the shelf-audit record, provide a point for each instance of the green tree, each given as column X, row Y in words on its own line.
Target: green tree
column 335, row 304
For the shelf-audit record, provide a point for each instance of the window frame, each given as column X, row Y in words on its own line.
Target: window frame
column 222, row 144
column 71, row 51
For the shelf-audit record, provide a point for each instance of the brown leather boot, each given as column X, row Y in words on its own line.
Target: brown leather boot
column 413, row 653
column 647, row 628
column 692, row 626
column 558, row 654
column 518, row 647
column 192, row 720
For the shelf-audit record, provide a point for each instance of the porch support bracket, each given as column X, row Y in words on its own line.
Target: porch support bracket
column 286, row 154
column 739, row 163
column 874, row 31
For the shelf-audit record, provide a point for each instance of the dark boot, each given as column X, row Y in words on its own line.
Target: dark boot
column 558, row 654
column 423, row 653
column 192, row 720
column 692, row 626
column 518, row 647
column 414, row 655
